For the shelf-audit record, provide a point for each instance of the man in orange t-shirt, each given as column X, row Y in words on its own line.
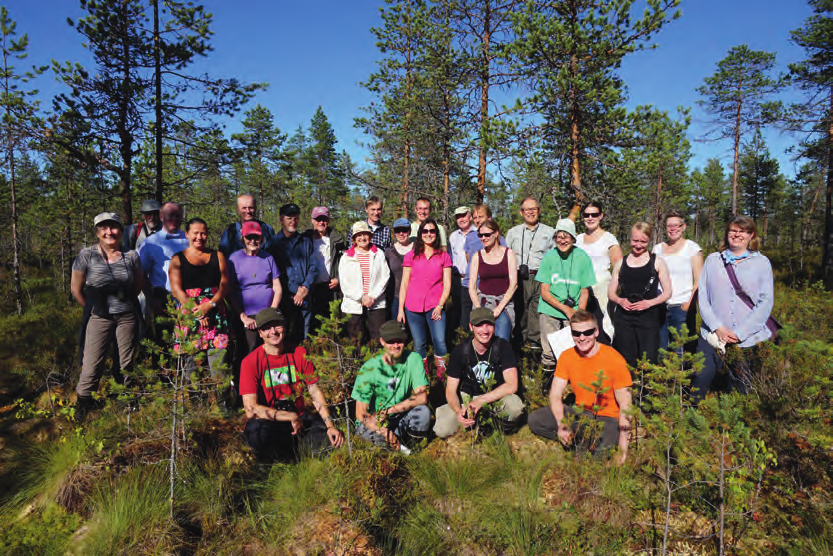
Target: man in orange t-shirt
column 600, row 379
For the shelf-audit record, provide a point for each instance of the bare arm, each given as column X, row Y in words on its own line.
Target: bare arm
column 623, row 398
column 418, row 397
column 223, row 290
column 76, row 286
column 665, row 282
column 320, row 404
column 583, row 297
column 696, row 269
column 256, row 411
column 278, row 292
column 557, row 408
column 509, row 386
column 615, row 254
column 473, row 272
column 613, row 287
column 403, row 291
column 175, row 277
column 547, row 296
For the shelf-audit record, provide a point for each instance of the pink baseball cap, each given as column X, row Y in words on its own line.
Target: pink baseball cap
column 320, row 211
column 250, row 228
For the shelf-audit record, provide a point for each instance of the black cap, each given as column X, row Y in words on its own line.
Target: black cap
column 289, row 208
column 481, row 315
column 269, row 315
column 392, row 331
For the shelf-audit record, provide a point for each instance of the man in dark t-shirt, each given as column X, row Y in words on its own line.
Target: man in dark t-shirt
column 272, row 381
column 480, row 372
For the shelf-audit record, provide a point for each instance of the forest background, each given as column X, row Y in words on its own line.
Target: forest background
column 461, row 101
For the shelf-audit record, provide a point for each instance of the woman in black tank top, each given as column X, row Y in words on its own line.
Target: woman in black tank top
column 636, row 300
column 199, row 274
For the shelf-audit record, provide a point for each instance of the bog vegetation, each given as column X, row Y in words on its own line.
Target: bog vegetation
column 161, row 469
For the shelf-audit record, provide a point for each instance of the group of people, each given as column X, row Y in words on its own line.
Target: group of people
column 532, row 288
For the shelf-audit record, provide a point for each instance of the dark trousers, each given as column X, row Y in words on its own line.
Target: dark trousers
column 320, row 296
column 741, row 364
column 366, row 326
column 298, row 319
column 542, row 423
column 527, row 297
column 465, row 309
column 456, row 303
column 636, row 334
column 273, row 440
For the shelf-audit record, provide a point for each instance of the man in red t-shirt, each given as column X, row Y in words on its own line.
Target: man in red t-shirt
column 600, row 380
column 272, row 381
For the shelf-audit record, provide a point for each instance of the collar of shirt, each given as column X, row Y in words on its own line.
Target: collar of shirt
column 373, row 227
column 731, row 258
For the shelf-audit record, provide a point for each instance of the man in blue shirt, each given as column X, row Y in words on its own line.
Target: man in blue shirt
column 156, row 253
column 246, row 209
column 294, row 255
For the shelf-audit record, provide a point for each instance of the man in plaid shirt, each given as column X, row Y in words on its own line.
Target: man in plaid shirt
column 381, row 233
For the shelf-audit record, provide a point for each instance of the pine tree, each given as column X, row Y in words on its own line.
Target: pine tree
column 735, row 99
column 572, row 50
column 325, row 173
column 761, row 182
column 19, row 122
column 814, row 116
column 710, row 190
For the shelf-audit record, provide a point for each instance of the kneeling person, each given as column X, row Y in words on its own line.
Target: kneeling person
column 472, row 365
column 271, row 381
column 391, row 392
column 580, row 367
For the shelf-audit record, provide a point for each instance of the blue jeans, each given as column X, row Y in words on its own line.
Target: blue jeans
column 503, row 327
column 418, row 323
column 674, row 318
column 412, row 424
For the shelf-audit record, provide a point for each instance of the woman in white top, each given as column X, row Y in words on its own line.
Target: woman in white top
column 363, row 275
column 604, row 251
column 684, row 260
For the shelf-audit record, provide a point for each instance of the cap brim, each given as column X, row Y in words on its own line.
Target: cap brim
column 481, row 321
column 272, row 322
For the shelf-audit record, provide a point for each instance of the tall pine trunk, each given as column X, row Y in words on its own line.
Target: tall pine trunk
column 735, row 164
column 10, row 144
column 827, row 255
column 157, row 78
column 485, row 77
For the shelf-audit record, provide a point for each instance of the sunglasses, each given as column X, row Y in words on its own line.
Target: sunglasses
column 482, row 236
column 588, row 333
column 322, row 218
column 253, row 238
column 402, row 230
column 431, row 231
column 591, row 214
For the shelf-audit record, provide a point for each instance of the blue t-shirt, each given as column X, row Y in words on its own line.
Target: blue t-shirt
column 156, row 253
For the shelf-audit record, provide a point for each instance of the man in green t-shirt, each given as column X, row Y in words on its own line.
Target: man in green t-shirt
column 391, row 392
column 566, row 273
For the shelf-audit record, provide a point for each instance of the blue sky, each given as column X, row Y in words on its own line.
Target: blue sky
column 316, row 52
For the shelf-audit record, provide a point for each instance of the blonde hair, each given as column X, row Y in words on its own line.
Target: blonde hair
column 645, row 228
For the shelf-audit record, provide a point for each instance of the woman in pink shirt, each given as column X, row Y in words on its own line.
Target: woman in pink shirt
column 426, row 284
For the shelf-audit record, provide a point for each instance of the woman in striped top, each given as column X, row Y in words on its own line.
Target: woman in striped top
column 363, row 276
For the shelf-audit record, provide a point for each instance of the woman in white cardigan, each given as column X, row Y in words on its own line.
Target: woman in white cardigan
column 363, row 275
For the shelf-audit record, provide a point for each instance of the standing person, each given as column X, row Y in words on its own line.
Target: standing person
column 365, row 272
column 136, row 234
column 395, row 255
column 426, row 284
column 604, row 251
column 295, row 256
column 580, row 367
column 328, row 245
column 494, row 278
column 531, row 241
column 735, row 300
column 472, row 365
column 479, row 214
column 255, row 283
column 246, row 210
column 634, row 289
column 105, row 281
column 459, row 270
column 565, row 275
column 381, row 233
column 422, row 209
column 684, row 260
column 391, row 393
column 272, row 378
column 156, row 253
column 200, row 274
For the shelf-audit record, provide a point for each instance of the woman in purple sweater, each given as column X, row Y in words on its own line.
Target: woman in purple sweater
column 254, row 281
column 728, row 320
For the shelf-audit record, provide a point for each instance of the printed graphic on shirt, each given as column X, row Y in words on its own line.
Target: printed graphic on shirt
column 558, row 279
column 280, row 376
column 393, row 383
column 482, row 371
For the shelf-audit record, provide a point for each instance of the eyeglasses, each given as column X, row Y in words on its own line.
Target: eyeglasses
column 673, row 226
column 322, row 218
column 429, row 231
column 588, row 333
column 591, row 214
column 738, row 232
column 530, row 210
column 253, row 238
column 485, row 235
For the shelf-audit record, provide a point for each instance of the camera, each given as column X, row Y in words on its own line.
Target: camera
column 523, row 272
column 569, row 302
column 635, row 298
